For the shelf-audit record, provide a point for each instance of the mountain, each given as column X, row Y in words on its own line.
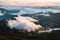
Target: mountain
column 46, row 19
column 7, row 11
column 52, row 21
column 31, row 9
column 49, row 19
column 13, row 34
column 7, row 14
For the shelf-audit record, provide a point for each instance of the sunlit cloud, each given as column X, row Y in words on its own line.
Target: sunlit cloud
column 24, row 23
column 30, row 2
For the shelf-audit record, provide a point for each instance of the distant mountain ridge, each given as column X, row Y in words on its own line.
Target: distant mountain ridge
column 46, row 19
column 6, row 11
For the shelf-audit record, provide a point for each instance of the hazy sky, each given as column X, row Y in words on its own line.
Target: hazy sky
column 30, row 2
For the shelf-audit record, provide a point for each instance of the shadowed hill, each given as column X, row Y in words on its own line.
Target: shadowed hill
column 52, row 21
column 47, row 21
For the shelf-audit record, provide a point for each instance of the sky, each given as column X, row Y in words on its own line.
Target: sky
column 30, row 2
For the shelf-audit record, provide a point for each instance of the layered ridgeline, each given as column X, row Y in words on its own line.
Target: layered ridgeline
column 32, row 21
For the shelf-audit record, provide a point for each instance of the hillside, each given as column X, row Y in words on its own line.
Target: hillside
column 13, row 34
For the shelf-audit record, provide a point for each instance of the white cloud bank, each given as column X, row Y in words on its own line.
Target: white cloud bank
column 24, row 23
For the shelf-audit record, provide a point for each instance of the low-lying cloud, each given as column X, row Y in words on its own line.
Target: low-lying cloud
column 24, row 23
